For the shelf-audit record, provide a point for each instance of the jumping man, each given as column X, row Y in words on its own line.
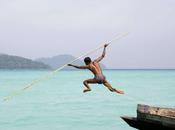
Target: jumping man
column 99, row 78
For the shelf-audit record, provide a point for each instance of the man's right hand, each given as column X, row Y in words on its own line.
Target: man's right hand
column 69, row 64
column 106, row 45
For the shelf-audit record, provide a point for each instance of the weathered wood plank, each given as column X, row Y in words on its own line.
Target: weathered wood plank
column 163, row 116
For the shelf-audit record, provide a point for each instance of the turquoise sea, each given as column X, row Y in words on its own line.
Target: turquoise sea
column 59, row 104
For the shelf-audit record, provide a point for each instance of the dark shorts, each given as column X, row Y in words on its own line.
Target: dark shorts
column 100, row 79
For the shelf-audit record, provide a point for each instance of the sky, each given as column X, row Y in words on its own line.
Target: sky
column 45, row 28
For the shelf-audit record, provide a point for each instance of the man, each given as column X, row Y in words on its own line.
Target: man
column 99, row 78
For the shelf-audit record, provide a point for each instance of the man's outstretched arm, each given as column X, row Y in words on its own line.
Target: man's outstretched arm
column 103, row 54
column 78, row 67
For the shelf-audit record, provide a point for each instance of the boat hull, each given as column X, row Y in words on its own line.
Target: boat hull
column 152, row 118
column 142, row 125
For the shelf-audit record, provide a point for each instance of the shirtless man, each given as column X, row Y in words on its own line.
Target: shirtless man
column 95, row 68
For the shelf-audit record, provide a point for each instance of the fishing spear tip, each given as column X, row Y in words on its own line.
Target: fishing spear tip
column 5, row 99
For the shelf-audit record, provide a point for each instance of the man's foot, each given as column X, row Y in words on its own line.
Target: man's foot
column 86, row 90
column 119, row 91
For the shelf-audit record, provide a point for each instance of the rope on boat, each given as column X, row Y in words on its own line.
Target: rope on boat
column 47, row 76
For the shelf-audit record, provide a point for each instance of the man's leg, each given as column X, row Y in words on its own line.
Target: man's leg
column 108, row 85
column 86, row 84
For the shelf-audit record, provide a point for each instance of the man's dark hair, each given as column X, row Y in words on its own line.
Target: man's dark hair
column 87, row 60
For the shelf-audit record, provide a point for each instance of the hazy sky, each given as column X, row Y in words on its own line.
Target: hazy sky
column 42, row 28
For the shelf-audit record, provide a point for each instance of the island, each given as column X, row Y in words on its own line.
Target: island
column 10, row 62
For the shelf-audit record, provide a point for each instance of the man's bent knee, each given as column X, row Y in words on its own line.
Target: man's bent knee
column 85, row 82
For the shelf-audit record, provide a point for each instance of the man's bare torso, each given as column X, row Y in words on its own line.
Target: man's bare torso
column 95, row 68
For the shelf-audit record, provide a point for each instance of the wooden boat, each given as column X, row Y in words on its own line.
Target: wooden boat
column 151, row 118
